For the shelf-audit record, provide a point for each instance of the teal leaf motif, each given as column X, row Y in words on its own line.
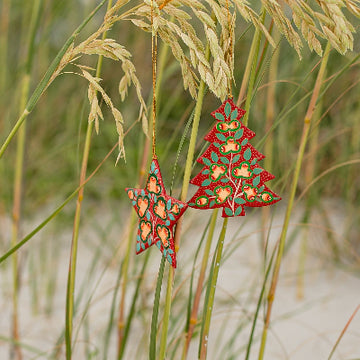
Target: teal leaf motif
column 227, row 109
column 137, row 246
column 261, row 189
column 148, row 215
column 221, row 137
column 254, row 161
column 169, row 259
column 216, row 144
column 168, row 204
column 238, row 211
column 247, row 154
column 224, row 180
column 235, row 158
column 206, row 172
column 142, row 246
column 152, row 167
column 212, row 203
column 209, row 192
column 256, row 181
column 167, row 223
column 206, row 161
column 219, row 116
column 206, row 182
column 244, row 142
column 239, row 134
column 171, row 217
column 240, row 201
column 214, row 157
column 224, row 160
column 234, row 114
column 228, row 211
column 257, row 171
column 158, row 244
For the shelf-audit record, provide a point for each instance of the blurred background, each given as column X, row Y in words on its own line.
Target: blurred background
column 326, row 212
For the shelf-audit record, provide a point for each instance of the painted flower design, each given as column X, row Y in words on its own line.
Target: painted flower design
column 158, row 213
column 231, row 177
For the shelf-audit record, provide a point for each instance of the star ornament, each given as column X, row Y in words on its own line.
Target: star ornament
column 158, row 213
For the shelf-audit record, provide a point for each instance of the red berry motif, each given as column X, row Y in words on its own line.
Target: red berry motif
column 231, row 177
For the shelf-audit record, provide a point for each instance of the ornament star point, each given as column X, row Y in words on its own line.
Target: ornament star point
column 158, row 213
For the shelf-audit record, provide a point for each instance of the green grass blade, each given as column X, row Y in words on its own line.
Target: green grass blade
column 155, row 314
column 112, row 315
column 133, row 304
column 258, row 306
column 211, row 292
column 44, row 83
column 57, row 210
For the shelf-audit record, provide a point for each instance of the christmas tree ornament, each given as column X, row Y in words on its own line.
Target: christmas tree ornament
column 157, row 211
column 232, row 177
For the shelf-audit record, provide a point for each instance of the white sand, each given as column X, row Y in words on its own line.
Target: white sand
column 300, row 329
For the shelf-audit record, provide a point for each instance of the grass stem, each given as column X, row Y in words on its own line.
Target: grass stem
column 255, row 49
column 303, row 141
column 4, row 43
column 184, row 191
column 19, row 169
column 45, row 81
column 211, row 293
column 311, row 199
column 195, row 308
column 251, row 63
column 70, row 294
column 155, row 313
column 129, row 247
column 270, row 116
column 343, row 332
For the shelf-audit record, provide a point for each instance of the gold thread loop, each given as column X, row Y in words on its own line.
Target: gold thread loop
column 230, row 47
column 153, row 61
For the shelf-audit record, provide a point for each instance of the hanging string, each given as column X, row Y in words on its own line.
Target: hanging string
column 153, row 60
column 230, row 55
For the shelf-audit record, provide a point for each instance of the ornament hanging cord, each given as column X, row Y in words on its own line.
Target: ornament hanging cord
column 231, row 43
column 153, row 60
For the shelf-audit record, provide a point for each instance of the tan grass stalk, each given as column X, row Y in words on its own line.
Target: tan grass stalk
column 270, row 116
column 309, row 172
column 19, row 168
column 307, row 124
column 184, row 191
column 76, row 227
column 199, row 288
column 4, row 34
